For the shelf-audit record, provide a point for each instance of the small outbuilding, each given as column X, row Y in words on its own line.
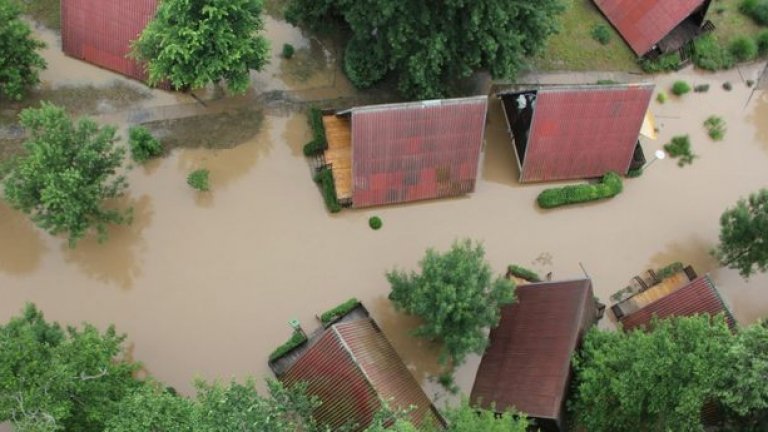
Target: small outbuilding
column 576, row 132
column 655, row 27
column 527, row 365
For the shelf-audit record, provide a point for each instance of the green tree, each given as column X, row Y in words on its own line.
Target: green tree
column 429, row 44
column 456, row 296
column 20, row 63
column 744, row 235
column 466, row 418
column 651, row 381
column 52, row 379
column 66, row 174
column 192, row 43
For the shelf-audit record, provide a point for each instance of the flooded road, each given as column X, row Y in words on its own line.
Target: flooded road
column 205, row 284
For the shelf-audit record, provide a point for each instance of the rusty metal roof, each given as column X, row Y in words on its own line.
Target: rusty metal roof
column 698, row 297
column 100, row 32
column 584, row 131
column 351, row 369
column 643, row 23
column 527, row 363
column 417, row 150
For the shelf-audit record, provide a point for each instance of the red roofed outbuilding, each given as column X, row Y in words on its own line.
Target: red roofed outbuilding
column 575, row 132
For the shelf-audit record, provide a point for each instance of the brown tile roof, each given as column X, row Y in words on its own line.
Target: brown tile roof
column 351, row 369
column 527, row 364
column 698, row 297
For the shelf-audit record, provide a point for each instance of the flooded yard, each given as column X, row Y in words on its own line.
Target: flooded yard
column 205, row 284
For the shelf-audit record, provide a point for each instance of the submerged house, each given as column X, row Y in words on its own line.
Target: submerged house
column 388, row 154
column 100, row 32
column 576, row 132
column 527, row 365
column 655, row 27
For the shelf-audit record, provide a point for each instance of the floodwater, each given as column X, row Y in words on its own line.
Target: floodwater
column 205, row 284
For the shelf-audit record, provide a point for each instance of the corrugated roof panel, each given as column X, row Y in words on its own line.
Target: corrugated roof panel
column 643, row 23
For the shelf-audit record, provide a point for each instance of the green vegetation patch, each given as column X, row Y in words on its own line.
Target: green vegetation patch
column 715, row 127
column 743, row 49
column 297, row 338
column 46, row 12
column 318, row 144
column 708, row 54
column 143, row 145
column 661, row 98
column 288, row 51
column 755, row 9
column 634, row 173
column 523, row 273
column 609, row 186
column 198, row 179
column 664, row 63
column 669, row 270
column 375, row 223
column 601, row 33
column 324, row 178
column 339, row 311
column 680, row 88
column 680, row 148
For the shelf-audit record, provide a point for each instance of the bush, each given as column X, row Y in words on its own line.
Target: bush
column 324, row 177
column 709, row 55
column 762, row 42
column 198, row 179
column 601, row 33
column 701, row 88
column 661, row 97
column 297, row 338
column 606, row 82
column 523, row 273
column 680, row 88
column 363, row 65
column 680, row 147
column 715, row 127
column 143, row 145
column 288, row 51
column 755, row 9
column 665, row 63
column 609, row 186
column 635, row 173
column 319, row 143
column 727, row 86
column 375, row 222
column 328, row 316
column 743, row 49
column 669, row 270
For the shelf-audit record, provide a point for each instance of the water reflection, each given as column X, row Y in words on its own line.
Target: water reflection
column 500, row 164
column 759, row 118
column 20, row 245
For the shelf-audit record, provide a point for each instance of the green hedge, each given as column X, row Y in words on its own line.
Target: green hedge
column 297, row 338
column 523, row 273
column 610, row 185
column 339, row 310
column 710, row 55
column 318, row 144
column 634, row 173
column 669, row 270
column 669, row 62
column 325, row 178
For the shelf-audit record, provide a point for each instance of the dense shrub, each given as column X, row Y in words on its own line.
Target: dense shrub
column 680, row 88
column 762, row 42
column 661, row 97
column 601, row 33
column 375, row 222
column 715, row 127
column 669, row 270
column 743, row 49
column 364, row 64
column 701, row 88
column 328, row 316
column 665, row 63
column 523, row 273
column 288, row 51
column 143, row 145
column 297, row 338
column 710, row 55
column 634, row 173
column 198, row 179
column 609, row 186
column 324, row 177
column 755, row 9
column 727, row 86
column 318, row 143
column 680, row 147
column 606, row 82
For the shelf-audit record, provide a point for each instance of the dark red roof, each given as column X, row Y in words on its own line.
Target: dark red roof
column 698, row 297
column 101, row 31
column 527, row 364
column 415, row 151
column 584, row 132
column 351, row 369
column 643, row 23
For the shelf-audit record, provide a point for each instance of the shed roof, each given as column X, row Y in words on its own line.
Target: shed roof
column 698, row 297
column 527, row 363
column 351, row 369
column 100, row 32
column 583, row 131
column 416, row 150
column 643, row 23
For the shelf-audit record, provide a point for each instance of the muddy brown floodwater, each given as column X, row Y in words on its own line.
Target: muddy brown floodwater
column 205, row 284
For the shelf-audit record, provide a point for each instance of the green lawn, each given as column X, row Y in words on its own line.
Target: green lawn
column 729, row 22
column 46, row 12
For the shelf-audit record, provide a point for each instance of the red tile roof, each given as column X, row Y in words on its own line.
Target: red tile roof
column 527, row 364
column 584, row 132
column 351, row 369
column 100, row 32
column 416, row 151
column 698, row 297
column 643, row 23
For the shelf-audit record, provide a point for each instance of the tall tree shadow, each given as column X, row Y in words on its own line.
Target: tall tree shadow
column 20, row 244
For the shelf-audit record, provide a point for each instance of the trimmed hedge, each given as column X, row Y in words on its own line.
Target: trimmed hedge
column 375, row 223
column 609, row 186
column 680, row 88
column 523, row 273
column 635, row 173
column 743, row 48
column 297, row 338
column 325, row 178
column 318, row 144
column 340, row 310
column 664, row 63
column 710, row 55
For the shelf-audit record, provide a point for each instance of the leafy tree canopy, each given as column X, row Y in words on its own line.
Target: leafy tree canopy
column 69, row 169
column 428, row 44
column 744, row 235
column 19, row 61
column 195, row 42
column 456, row 296
column 466, row 418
